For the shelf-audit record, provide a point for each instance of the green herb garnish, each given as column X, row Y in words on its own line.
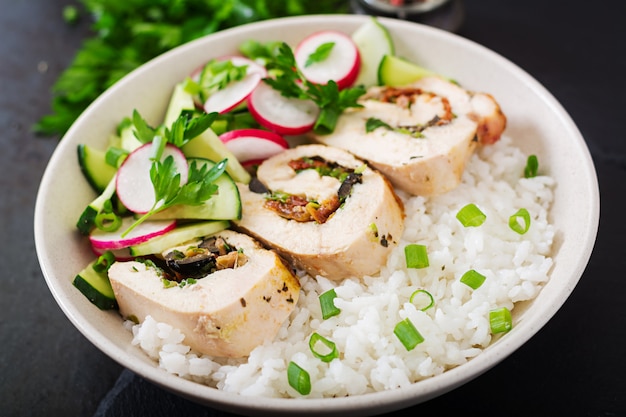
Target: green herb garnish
column 532, row 165
column 168, row 191
column 408, row 335
column 520, row 221
column 290, row 81
column 298, row 378
column 320, row 54
column 473, row 279
column 471, row 216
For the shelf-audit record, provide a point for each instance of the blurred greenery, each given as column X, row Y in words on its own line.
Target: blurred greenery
column 128, row 33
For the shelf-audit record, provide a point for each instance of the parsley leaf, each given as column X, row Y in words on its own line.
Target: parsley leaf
column 320, row 54
column 290, row 81
column 165, row 179
column 168, row 191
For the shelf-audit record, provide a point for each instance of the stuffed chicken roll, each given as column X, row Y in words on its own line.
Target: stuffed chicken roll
column 225, row 292
column 420, row 136
column 324, row 210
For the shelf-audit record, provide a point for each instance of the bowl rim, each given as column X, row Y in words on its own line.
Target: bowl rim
column 367, row 403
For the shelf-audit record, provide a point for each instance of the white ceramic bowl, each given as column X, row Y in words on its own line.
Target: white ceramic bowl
column 533, row 114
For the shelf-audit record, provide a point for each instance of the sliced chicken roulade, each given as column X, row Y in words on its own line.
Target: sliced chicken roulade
column 323, row 209
column 420, row 136
column 225, row 293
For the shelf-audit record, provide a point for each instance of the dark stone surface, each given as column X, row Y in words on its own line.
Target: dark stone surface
column 574, row 366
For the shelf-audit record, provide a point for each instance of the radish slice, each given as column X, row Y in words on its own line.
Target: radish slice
column 283, row 115
column 133, row 184
column 101, row 241
column 341, row 65
column 235, row 93
column 253, row 146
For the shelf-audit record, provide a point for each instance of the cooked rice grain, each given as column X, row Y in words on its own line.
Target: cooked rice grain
column 455, row 329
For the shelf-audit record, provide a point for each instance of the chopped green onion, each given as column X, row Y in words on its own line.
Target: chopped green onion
column 327, row 303
column 430, row 301
column 298, row 378
column 408, row 334
column 316, row 340
column 520, row 221
column 532, row 164
column 500, row 320
column 473, row 279
column 115, row 156
column 416, row 256
column 108, row 222
column 104, row 262
column 471, row 216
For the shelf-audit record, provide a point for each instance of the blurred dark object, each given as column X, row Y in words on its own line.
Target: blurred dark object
column 443, row 14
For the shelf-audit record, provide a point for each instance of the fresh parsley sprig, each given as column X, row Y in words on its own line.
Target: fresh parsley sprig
column 290, row 81
column 165, row 178
column 169, row 192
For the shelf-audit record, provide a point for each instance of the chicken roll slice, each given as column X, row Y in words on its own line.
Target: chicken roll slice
column 323, row 209
column 421, row 135
column 225, row 293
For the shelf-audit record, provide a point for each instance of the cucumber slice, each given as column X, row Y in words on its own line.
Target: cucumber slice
column 87, row 218
column 179, row 235
column 373, row 41
column 180, row 100
column 225, row 205
column 398, row 72
column 209, row 146
column 96, row 287
column 93, row 165
column 128, row 141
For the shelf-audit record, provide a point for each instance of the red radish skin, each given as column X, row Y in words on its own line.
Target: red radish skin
column 133, row 185
column 252, row 146
column 236, row 93
column 342, row 65
column 280, row 114
column 101, row 241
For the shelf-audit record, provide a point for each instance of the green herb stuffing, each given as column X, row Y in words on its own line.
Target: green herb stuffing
column 128, row 33
column 373, row 123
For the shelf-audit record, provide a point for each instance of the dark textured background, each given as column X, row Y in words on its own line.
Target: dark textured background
column 574, row 366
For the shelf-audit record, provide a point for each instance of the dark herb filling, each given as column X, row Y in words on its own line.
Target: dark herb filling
column 195, row 262
column 299, row 208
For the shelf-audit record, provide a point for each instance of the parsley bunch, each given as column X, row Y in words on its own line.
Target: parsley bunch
column 127, row 33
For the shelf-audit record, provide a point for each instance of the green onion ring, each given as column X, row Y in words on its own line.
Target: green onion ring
column 313, row 341
column 108, row 222
column 429, row 295
column 327, row 304
column 298, row 378
column 500, row 320
column 408, row 334
column 471, row 216
column 514, row 221
column 473, row 279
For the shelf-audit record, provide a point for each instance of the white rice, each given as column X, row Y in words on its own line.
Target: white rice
column 455, row 330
